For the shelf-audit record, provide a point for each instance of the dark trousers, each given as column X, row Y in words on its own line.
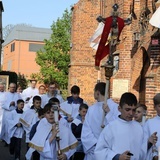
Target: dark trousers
column 35, row 155
column 15, row 147
column 78, row 156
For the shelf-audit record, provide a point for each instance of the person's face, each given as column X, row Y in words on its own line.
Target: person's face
column 37, row 104
column 19, row 90
column 127, row 112
column 49, row 115
column 12, row 88
column 96, row 94
column 42, row 90
column 75, row 95
column 20, row 106
column 1, row 88
column 157, row 108
column 52, row 88
column 33, row 84
column 83, row 112
column 139, row 114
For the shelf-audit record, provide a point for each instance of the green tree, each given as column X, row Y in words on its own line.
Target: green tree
column 22, row 81
column 54, row 59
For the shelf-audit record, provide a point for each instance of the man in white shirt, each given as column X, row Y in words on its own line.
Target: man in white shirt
column 93, row 120
column 2, row 93
column 52, row 92
column 9, row 104
column 30, row 92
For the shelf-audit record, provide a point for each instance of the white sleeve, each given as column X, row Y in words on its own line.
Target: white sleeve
column 87, row 137
column 103, row 148
column 70, row 153
column 113, row 113
column 46, row 153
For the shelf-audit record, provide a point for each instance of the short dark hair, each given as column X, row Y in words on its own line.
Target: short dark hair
column 142, row 106
column 128, row 98
column 20, row 101
column 52, row 83
column 38, row 98
column 83, row 105
column 54, row 100
column 40, row 112
column 156, row 99
column 75, row 89
column 100, row 87
column 47, row 108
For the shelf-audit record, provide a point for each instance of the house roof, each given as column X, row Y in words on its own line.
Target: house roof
column 22, row 32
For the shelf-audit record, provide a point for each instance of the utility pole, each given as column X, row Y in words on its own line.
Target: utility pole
column 1, row 35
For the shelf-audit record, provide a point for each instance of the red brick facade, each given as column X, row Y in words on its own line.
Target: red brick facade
column 143, row 80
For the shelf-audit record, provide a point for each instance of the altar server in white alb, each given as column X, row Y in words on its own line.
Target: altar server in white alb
column 30, row 92
column 52, row 92
column 92, row 125
column 15, row 130
column 2, row 94
column 46, row 143
column 151, row 128
column 122, row 138
column 41, row 92
column 70, row 108
column 9, row 104
column 30, row 117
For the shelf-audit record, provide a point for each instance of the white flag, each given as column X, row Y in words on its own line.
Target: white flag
column 155, row 19
column 95, row 39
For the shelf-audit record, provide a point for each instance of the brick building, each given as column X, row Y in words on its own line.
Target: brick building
column 20, row 49
column 137, row 54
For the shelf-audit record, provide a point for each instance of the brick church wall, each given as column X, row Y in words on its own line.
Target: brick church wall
column 82, row 71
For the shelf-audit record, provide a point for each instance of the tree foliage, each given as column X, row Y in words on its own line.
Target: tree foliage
column 22, row 81
column 6, row 30
column 54, row 59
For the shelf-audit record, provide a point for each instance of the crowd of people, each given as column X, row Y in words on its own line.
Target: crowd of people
column 58, row 129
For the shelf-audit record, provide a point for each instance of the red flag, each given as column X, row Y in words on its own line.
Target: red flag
column 103, row 49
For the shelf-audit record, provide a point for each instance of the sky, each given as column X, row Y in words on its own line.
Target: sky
column 37, row 13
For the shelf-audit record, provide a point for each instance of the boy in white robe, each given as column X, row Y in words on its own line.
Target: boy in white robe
column 152, row 129
column 92, row 125
column 76, row 127
column 15, row 130
column 70, row 108
column 122, row 138
column 41, row 92
column 140, row 114
column 46, row 143
column 30, row 117
column 9, row 104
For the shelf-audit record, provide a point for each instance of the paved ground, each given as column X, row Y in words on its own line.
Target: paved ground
column 4, row 151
